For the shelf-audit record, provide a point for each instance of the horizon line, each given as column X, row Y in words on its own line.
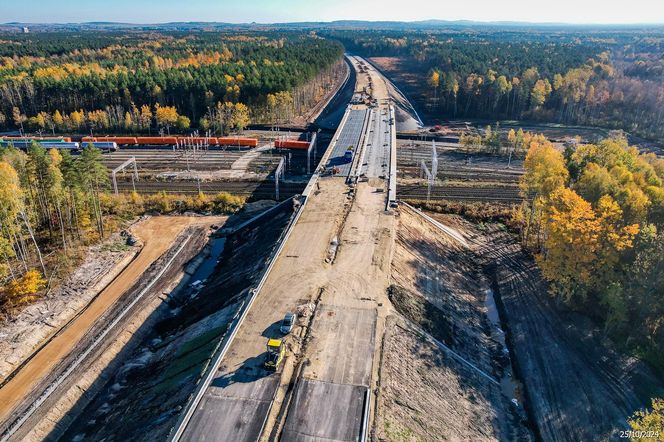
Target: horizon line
column 304, row 22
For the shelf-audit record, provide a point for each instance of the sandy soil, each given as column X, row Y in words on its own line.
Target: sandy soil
column 157, row 234
column 441, row 361
column 357, row 280
column 21, row 336
column 426, row 395
column 382, row 88
column 56, row 413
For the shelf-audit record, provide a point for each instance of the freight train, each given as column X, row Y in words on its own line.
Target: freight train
column 176, row 141
column 63, row 144
column 112, row 143
column 38, row 139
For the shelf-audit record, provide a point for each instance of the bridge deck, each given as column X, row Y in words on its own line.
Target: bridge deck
column 349, row 135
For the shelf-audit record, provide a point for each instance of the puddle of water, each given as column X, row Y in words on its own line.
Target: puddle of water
column 491, row 309
column 508, row 384
column 207, row 267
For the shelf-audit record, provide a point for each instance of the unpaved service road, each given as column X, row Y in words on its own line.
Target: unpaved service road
column 157, row 234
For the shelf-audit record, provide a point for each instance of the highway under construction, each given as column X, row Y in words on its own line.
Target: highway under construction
column 408, row 325
column 335, row 262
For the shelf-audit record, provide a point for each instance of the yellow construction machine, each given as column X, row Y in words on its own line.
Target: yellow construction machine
column 275, row 353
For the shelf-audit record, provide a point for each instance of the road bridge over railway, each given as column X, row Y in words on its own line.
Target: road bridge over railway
column 333, row 269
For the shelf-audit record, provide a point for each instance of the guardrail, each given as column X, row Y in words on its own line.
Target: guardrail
column 392, row 185
column 364, row 428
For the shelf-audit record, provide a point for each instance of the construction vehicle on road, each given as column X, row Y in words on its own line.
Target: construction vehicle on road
column 275, row 353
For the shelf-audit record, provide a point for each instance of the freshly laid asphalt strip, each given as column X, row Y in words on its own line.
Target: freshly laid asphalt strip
column 339, row 420
column 243, row 403
column 349, row 136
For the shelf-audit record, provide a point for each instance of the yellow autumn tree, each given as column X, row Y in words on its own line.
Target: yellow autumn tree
column 595, row 181
column 23, row 289
column 145, row 118
column 38, row 122
column 166, row 116
column 583, row 247
column 545, row 172
column 545, row 169
column 434, row 80
column 183, row 123
column 58, row 120
column 77, row 119
column 241, row 117
column 572, row 235
column 540, row 92
column 511, row 137
column 649, row 421
column 128, row 123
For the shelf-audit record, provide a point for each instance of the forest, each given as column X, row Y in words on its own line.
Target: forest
column 595, row 221
column 53, row 205
column 612, row 78
column 82, row 82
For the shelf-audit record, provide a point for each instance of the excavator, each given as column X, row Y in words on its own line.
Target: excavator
column 275, row 354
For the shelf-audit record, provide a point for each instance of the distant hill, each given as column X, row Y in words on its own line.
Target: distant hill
column 432, row 24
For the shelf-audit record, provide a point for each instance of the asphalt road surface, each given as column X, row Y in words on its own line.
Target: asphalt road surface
column 376, row 159
column 243, row 398
column 339, row 420
column 329, row 400
column 350, row 135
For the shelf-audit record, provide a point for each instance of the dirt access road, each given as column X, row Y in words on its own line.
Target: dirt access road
column 157, row 235
column 577, row 385
column 383, row 89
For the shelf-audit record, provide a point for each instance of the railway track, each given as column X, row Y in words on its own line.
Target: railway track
column 181, row 160
column 465, row 174
column 254, row 190
column 458, row 159
column 494, row 194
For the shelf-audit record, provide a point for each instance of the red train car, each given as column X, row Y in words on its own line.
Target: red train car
column 205, row 141
column 291, row 144
column 156, row 141
column 238, row 141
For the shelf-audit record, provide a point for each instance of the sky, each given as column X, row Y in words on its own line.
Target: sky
column 271, row 11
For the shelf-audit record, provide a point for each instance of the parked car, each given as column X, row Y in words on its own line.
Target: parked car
column 288, row 322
